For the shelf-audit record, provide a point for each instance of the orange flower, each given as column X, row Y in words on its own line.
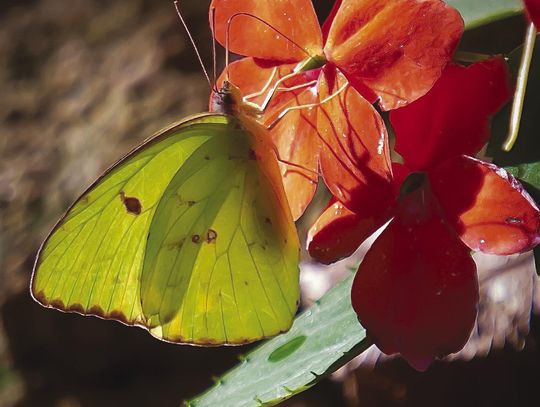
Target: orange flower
column 389, row 51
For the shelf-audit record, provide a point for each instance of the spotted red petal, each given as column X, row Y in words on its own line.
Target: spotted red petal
column 296, row 21
column 339, row 232
column 396, row 48
column 533, row 11
column 453, row 118
column 416, row 290
column 489, row 209
column 354, row 158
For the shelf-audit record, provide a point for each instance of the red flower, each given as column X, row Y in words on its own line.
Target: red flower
column 391, row 51
column 416, row 290
column 533, row 11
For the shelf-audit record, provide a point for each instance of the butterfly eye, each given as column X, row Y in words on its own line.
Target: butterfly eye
column 226, row 87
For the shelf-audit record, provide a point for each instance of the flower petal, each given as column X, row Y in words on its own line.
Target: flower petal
column 248, row 36
column 489, row 209
column 397, row 48
column 354, row 158
column 453, row 118
column 297, row 141
column 533, row 10
column 338, row 233
column 416, row 290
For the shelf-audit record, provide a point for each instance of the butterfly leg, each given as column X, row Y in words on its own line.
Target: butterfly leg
column 265, row 87
column 306, row 106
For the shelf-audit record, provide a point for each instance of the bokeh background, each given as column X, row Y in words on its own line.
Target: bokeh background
column 81, row 83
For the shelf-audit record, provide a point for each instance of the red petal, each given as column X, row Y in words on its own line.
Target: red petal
column 489, row 209
column 354, row 156
column 416, row 290
column 295, row 137
column 397, row 48
column 338, row 232
column 453, row 118
column 247, row 36
column 533, row 10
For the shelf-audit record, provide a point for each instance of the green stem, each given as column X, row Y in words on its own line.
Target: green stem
column 470, row 57
column 521, row 87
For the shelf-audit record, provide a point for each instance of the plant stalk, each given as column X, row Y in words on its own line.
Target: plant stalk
column 521, row 87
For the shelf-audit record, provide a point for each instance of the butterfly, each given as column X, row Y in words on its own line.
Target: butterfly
column 189, row 236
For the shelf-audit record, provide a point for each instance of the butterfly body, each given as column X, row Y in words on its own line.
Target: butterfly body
column 189, row 236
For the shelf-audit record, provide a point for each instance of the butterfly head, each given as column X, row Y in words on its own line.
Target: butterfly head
column 228, row 100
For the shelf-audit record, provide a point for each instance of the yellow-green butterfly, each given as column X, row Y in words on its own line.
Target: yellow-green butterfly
column 189, row 236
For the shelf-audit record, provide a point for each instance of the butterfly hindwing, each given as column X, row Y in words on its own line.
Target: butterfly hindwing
column 185, row 236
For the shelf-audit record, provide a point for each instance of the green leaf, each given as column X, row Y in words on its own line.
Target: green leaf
column 529, row 175
column 476, row 13
column 321, row 340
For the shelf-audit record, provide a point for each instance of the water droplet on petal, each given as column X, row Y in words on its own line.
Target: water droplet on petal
column 513, row 221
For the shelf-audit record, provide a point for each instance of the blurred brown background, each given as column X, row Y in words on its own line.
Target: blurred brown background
column 82, row 82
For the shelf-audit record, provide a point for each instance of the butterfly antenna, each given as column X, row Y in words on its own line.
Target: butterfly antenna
column 227, row 36
column 214, row 54
column 231, row 18
column 176, row 6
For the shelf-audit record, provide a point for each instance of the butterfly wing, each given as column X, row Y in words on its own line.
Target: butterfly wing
column 186, row 236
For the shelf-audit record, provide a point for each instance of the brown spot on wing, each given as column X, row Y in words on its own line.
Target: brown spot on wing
column 196, row 238
column 76, row 308
column 58, row 304
column 211, row 236
column 132, row 204
column 40, row 296
column 119, row 315
column 210, row 342
column 252, row 154
column 214, row 342
column 97, row 310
